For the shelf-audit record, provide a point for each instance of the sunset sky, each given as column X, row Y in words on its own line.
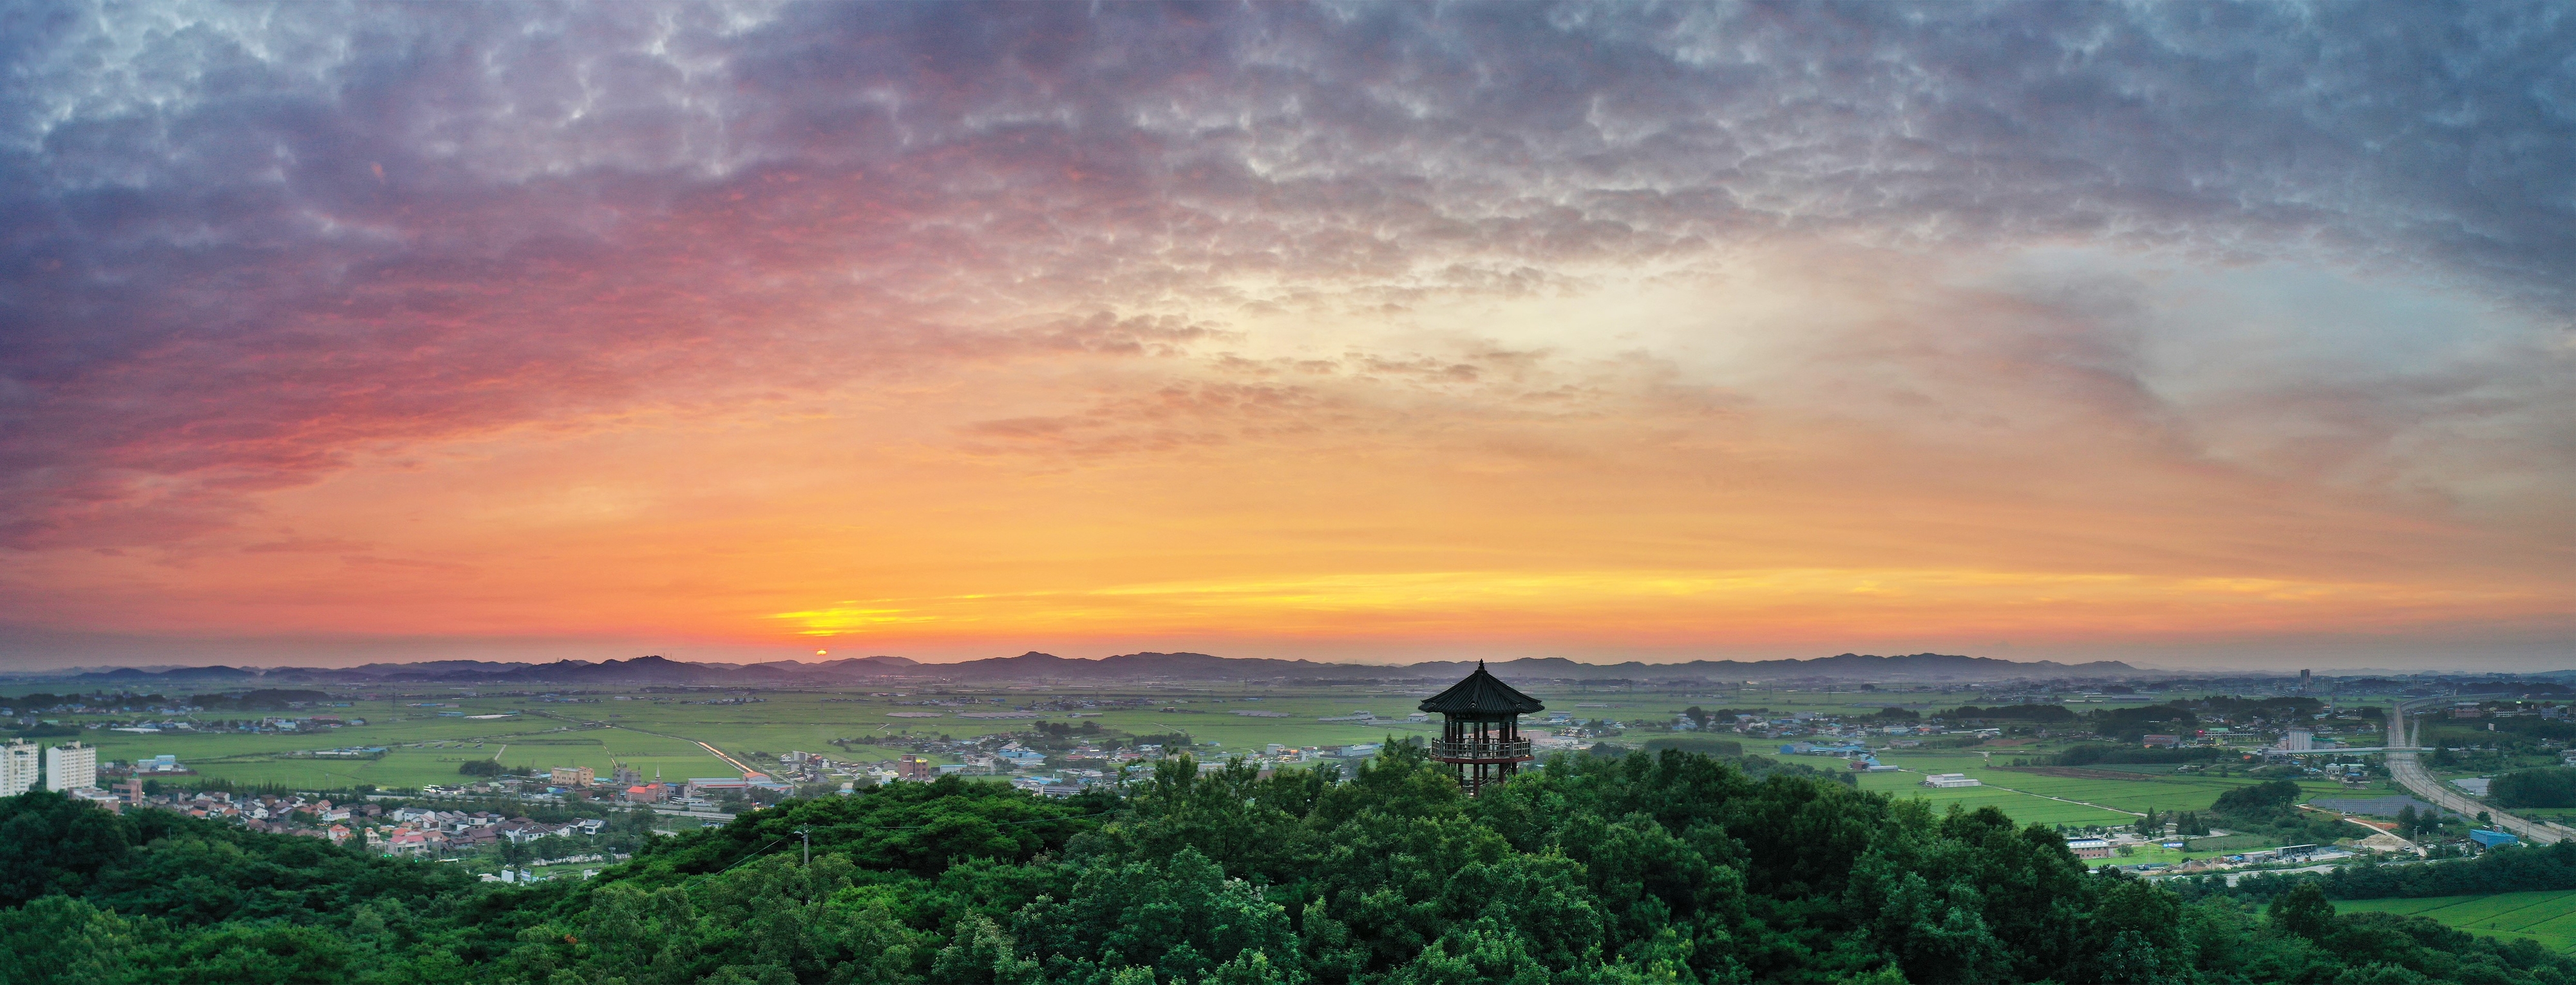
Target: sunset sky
column 2192, row 335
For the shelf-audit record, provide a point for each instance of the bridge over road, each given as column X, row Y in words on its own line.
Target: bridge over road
column 2409, row 772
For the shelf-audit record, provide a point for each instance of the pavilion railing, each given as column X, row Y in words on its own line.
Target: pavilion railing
column 1474, row 750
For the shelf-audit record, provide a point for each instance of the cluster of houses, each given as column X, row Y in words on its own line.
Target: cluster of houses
column 401, row 831
column 431, row 832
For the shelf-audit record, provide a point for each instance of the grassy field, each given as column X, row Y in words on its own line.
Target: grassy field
column 2040, row 798
column 2546, row 917
column 2021, row 807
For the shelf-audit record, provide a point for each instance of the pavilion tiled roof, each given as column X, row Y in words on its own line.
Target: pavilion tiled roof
column 1481, row 694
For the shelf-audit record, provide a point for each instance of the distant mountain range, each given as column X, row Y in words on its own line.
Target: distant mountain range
column 1044, row 667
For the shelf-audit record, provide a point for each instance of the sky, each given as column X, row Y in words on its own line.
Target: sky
column 2193, row 335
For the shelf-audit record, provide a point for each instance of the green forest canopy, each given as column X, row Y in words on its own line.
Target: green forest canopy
column 1666, row 867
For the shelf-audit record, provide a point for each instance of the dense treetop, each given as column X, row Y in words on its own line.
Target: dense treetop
column 1673, row 867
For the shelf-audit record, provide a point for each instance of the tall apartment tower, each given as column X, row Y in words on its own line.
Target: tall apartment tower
column 71, row 767
column 2303, row 682
column 17, row 768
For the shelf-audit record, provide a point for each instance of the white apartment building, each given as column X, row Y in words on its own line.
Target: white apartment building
column 17, row 768
column 71, row 767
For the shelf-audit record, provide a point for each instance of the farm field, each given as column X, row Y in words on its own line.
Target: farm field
column 2021, row 807
column 2548, row 918
column 428, row 732
column 2026, row 796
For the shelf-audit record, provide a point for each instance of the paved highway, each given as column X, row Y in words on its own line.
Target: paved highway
column 2411, row 774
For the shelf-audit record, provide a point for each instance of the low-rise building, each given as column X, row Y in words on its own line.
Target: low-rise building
column 1949, row 780
column 2490, row 839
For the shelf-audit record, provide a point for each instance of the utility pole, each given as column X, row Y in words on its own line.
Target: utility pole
column 809, row 845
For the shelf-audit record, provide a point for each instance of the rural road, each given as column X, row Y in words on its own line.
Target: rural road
column 2410, row 773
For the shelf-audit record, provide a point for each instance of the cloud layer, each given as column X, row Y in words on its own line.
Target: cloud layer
column 1997, row 295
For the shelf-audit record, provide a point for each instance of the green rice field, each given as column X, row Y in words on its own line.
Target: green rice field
column 661, row 731
column 2039, row 798
column 2546, row 917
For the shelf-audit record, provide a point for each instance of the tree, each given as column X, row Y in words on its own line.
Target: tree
column 1182, row 917
column 2303, row 911
column 981, row 954
column 2550, row 787
column 59, row 939
column 2259, row 800
column 264, row 953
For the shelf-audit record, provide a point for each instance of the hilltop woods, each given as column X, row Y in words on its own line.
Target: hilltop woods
column 1672, row 867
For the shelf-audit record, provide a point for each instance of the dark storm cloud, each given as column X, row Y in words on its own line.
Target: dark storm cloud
column 243, row 242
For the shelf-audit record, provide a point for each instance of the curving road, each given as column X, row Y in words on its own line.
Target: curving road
column 2410, row 773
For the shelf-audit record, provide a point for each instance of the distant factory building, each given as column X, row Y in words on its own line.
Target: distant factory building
column 704, row 785
column 1946, row 780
